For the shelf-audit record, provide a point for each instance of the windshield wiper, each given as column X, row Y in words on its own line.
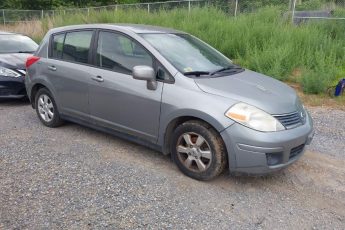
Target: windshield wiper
column 25, row 52
column 197, row 73
column 235, row 68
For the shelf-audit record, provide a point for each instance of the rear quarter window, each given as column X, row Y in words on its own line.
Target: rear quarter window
column 57, row 46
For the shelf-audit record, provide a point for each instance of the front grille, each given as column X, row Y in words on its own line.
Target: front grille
column 296, row 151
column 5, row 92
column 290, row 120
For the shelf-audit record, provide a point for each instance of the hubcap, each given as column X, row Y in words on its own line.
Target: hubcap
column 194, row 152
column 45, row 108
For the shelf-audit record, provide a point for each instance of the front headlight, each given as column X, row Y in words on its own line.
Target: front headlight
column 254, row 118
column 8, row 72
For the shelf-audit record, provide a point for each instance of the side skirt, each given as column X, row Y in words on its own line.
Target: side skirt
column 115, row 133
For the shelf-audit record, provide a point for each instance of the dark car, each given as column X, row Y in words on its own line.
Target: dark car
column 14, row 50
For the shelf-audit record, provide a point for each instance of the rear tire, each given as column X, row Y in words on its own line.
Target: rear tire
column 46, row 109
column 198, row 150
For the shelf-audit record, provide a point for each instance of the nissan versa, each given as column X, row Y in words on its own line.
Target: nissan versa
column 171, row 91
column 14, row 50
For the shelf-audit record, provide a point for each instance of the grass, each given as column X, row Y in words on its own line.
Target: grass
column 311, row 54
column 323, row 100
column 33, row 29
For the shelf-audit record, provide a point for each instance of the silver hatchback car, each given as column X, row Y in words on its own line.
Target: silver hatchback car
column 170, row 91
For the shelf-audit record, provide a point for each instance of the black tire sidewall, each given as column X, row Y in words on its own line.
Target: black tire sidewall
column 56, row 121
column 218, row 155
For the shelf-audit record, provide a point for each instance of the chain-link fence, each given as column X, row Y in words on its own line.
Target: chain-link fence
column 301, row 10
column 232, row 7
column 10, row 16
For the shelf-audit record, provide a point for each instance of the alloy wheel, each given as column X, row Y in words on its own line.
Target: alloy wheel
column 45, row 108
column 194, row 152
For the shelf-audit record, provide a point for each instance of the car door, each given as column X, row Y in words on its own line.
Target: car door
column 69, row 71
column 117, row 100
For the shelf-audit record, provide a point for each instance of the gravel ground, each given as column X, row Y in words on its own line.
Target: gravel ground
column 77, row 178
column 330, row 131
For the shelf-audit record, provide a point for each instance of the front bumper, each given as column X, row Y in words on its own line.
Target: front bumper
column 254, row 152
column 12, row 87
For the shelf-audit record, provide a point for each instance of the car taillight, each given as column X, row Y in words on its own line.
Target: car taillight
column 31, row 60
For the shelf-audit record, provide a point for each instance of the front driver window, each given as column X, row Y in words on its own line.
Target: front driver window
column 120, row 53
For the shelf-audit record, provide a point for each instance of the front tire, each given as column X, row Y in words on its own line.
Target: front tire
column 198, row 150
column 46, row 109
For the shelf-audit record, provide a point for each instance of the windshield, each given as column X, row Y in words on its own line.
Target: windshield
column 188, row 54
column 17, row 44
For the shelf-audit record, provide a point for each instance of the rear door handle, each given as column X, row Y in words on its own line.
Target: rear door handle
column 98, row 79
column 52, row 68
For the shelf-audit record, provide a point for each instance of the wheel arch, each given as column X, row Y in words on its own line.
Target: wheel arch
column 177, row 120
column 34, row 90
column 38, row 85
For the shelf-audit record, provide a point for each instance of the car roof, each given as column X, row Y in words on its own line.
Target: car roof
column 135, row 28
column 6, row 33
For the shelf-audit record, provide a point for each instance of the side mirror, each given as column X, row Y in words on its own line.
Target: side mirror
column 145, row 73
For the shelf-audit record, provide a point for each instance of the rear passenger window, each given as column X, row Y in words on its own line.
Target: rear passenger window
column 120, row 53
column 57, row 46
column 77, row 46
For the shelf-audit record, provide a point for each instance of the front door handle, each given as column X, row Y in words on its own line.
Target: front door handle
column 98, row 79
column 52, row 68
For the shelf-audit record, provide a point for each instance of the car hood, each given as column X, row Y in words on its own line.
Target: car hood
column 255, row 89
column 14, row 60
